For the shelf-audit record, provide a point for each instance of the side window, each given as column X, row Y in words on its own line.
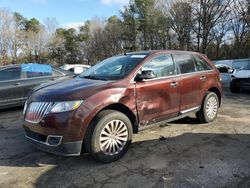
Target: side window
column 161, row 66
column 185, row 63
column 201, row 64
column 36, row 70
column 37, row 74
column 10, row 74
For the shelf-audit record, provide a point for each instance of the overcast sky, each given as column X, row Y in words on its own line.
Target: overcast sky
column 66, row 12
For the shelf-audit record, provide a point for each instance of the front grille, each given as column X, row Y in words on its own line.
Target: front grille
column 36, row 111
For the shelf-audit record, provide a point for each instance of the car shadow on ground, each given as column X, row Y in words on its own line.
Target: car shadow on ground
column 188, row 160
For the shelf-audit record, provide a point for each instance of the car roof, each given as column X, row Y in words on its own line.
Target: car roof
column 150, row 52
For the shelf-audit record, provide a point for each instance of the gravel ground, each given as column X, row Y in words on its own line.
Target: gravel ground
column 181, row 154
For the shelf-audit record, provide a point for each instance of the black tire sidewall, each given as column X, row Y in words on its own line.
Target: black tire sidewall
column 234, row 87
column 105, row 118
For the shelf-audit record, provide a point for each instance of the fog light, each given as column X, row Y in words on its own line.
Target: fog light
column 53, row 140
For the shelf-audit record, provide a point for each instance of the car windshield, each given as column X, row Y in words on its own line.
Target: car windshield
column 113, row 68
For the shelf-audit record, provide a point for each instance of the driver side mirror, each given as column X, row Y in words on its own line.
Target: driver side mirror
column 145, row 75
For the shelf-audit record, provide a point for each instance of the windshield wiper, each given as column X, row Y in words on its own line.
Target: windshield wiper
column 93, row 77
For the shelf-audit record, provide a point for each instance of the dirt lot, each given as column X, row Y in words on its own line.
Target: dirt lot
column 181, row 154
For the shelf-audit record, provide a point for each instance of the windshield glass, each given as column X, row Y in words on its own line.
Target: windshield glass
column 113, row 68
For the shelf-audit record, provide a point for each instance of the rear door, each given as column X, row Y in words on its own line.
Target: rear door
column 190, row 84
column 11, row 86
column 206, row 74
column 158, row 98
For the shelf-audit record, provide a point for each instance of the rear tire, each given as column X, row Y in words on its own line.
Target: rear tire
column 109, row 136
column 234, row 87
column 209, row 108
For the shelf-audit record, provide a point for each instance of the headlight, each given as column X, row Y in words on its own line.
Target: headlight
column 65, row 106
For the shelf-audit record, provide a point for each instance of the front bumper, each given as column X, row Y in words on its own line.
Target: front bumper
column 59, row 133
column 46, row 143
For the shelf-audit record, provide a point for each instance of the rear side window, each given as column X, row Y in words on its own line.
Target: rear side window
column 201, row 64
column 161, row 66
column 10, row 74
column 185, row 63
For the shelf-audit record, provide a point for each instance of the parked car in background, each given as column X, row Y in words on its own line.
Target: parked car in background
column 75, row 68
column 16, row 81
column 100, row 109
column 240, row 80
column 226, row 73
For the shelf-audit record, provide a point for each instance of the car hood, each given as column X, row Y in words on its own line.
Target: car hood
column 73, row 89
column 242, row 74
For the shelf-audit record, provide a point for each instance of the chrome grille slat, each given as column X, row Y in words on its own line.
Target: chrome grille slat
column 40, row 110
column 36, row 111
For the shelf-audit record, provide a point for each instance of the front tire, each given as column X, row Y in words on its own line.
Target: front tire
column 234, row 86
column 109, row 136
column 209, row 108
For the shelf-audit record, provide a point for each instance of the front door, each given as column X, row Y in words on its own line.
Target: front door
column 158, row 98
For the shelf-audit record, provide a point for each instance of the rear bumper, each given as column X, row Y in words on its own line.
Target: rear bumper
column 63, row 149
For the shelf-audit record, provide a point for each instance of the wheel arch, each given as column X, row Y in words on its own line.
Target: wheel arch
column 125, row 110
column 217, row 92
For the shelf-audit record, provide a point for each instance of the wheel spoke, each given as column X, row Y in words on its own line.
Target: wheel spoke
column 105, row 133
column 122, row 130
column 104, row 138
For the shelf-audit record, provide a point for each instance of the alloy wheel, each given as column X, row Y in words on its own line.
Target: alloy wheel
column 113, row 137
column 211, row 107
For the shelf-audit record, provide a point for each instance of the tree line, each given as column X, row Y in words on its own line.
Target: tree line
column 218, row 28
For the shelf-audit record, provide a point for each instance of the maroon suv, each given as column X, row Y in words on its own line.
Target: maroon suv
column 101, row 108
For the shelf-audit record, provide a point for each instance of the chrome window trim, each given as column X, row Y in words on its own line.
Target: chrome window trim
column 172, row 76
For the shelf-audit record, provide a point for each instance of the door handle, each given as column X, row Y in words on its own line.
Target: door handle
column 17, row 83
column 173, row 84
column 203, row 78
column 52, row 79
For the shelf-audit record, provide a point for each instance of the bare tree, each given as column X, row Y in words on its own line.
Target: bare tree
column 240, row 31
column 6, row 22
column 206, row 15
column 181, row 22
column 243, row 9
column 51, row 25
